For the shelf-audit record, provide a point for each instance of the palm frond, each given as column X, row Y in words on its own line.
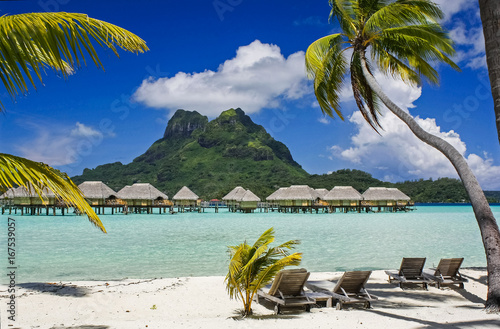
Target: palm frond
column 392, row 65
column 31, row 42
column 325, row 63
column 403, row 13
column 343, row 11
column 251, row 267
column 17, row 171
column 265, row 276
column 417, row 48
column 365, row 97
column 266, row 238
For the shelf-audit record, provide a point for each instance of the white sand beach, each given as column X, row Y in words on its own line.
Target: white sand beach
column 202, row 302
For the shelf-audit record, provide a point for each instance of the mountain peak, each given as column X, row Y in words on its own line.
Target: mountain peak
column 183, row 123
column 208, row 156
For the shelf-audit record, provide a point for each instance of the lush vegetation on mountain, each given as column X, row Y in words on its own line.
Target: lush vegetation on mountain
column 212, row 157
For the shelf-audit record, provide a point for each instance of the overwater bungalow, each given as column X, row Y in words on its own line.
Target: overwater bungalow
column 97, row 193
column 400, row 198
column 142, row 196
column 271, row 199
column 384, row 198
column 235, row 194
column 21, row 196
column 296, row 197
column 28, row 200
column 248, row 202
column 185, row 198
column 344, row 197
column 377, row 197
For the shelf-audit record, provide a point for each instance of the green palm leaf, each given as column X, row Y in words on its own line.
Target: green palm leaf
column 326, row 63
column 37, row 177
column 252, row 267
column 404, row 40
column 32, row 42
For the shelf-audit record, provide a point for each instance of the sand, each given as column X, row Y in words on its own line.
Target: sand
column 202, row 302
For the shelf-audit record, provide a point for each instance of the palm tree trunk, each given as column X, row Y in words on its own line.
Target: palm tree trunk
column 490, row 16
column 484, row 216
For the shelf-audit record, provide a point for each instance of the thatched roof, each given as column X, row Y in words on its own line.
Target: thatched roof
column 96, row 190
column 398, row 195
column 235, row 194
column 378, row 193
column 343, row 193
column 321, row 192
column 22, row 192
column 141, row 191
column 249, row 196
column 275, row 194
column 185, row 194
column 298, row 192
column 10, row 193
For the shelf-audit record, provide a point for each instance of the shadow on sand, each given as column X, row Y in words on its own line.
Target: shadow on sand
column 83, row 327
column 437, row 325
column 59, row 289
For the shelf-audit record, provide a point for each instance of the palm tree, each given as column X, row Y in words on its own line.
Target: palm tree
column 403, row 38
column 252, row 267
column 490, row 15
column 29, row 45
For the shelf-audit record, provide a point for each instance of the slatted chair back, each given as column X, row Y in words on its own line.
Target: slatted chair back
column 352, row 282
column 448, row 267
column 289, row 282
column 412, row 267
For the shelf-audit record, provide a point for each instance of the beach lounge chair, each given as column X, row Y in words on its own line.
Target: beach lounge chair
column 446, row 273
column 349, row 289
column 410, row 273
column 287, row 290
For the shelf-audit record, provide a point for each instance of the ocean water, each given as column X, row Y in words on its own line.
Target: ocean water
column 61, row 248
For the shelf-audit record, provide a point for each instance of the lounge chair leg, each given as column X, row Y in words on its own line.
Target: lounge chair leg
column 277, row 309
column 367, row 304
column 308, row 308
column 339, row 305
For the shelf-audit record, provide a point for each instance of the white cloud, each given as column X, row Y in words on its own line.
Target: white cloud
column 59, row 146
column 452, row 7
column 82, row 130
column 324, row 120
column 259, row 76
column 470, row 44
column 464, row 23
column 402, row 154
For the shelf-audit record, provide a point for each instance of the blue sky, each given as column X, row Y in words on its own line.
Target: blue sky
column 216, row 54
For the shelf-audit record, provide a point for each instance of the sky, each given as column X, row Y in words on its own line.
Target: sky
column 213, row 55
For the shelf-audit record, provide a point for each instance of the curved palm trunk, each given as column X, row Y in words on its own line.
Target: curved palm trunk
column 484, row 216
column 490, row 16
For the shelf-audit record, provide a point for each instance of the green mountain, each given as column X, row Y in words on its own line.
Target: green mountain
column 212, row 157
column 209, row 157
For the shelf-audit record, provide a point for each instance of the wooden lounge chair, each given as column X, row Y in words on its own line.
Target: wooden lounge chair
column 446, row 273
column 348, row 290
column 287, row 290
column 410, row 273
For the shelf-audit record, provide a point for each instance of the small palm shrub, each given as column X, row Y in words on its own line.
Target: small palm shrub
column 253, row 266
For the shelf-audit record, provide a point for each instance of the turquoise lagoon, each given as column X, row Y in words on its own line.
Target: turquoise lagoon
column 68, row 248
